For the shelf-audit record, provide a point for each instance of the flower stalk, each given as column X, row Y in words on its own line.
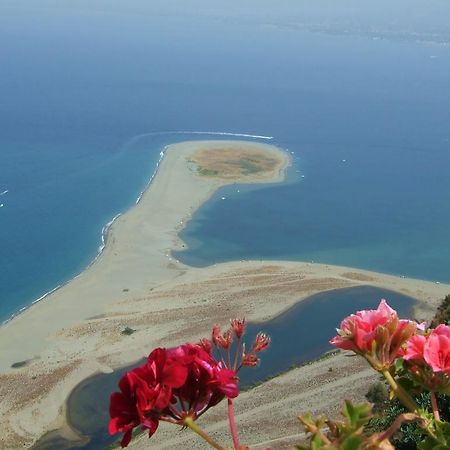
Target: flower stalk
column 434, row 405
column 400, row 393
column 189, row 422
column 398, row 422
column 232, row 423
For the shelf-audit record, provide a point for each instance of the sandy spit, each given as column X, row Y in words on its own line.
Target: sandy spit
column 76, row 331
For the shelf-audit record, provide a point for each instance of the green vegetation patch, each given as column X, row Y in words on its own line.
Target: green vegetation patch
column 442, row 313
column 248, row 166
column 127, row 331
column 19, row 364
column 207, row 172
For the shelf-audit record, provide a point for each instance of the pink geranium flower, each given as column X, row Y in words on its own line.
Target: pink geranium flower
column 415, row 348
column 437, row 349
column 378, row 335
column 428, row 359
column 433, row 349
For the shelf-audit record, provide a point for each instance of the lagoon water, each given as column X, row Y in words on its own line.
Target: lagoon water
column 359, row 96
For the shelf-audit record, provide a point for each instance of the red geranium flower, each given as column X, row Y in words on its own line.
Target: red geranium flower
column 181, row 383
column 173, row 384
column 124, row 412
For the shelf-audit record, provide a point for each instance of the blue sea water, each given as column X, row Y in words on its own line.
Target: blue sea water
column 79, row 83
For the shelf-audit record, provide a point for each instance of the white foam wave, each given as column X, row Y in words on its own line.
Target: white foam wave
column 158, row 163
column 105, row 230
column 24, row 308
column 4, row 192
column 224, row 133
column 205, row 133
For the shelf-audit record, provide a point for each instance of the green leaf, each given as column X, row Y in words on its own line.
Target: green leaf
column 443, row 433
column 357, row 415
column 443, row 438
column 316, row 442
column 351, row 443
column 399, row 365
column 431, row 444
column 409, row 384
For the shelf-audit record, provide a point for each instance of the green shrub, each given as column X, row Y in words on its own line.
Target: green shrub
column 378, row 395
column 443, row 313
column 127, row 331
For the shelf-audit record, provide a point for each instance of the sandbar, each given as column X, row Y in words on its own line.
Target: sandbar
column 79, row 329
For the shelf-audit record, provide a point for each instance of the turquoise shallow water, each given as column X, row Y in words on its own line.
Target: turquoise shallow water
column 328, row 84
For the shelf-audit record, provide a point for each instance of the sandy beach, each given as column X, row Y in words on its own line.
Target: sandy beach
column 76, row 331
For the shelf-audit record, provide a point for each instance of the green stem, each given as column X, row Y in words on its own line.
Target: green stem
column 408, row 402
column 400, row 393
column 435, row 406
column 189, row 422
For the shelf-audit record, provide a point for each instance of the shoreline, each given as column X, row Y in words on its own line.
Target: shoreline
column 136, row 282
column 104, row 240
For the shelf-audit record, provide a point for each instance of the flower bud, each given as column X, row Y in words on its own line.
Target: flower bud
column 249, row 360
column 238, row 326
column 261, row 342
column 206, row 345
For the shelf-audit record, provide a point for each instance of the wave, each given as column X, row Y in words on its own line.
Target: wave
column 205, row 133
column 24, row 308
column 105, row 231
column 107, row 227
column 224, row 133
column 158, row 163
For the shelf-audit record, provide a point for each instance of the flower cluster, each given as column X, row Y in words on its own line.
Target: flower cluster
column 223, row 345
column 173, row 384
column 178, row 385
column 428, row 358
column 378, row 335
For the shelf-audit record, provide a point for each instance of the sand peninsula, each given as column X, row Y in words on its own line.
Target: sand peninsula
column 78, row 330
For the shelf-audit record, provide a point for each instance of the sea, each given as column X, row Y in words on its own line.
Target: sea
column 358, row 93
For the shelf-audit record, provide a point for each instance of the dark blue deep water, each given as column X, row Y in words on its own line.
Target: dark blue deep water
column 79, row 81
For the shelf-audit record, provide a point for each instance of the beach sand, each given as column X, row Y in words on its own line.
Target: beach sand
column 76, row 331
